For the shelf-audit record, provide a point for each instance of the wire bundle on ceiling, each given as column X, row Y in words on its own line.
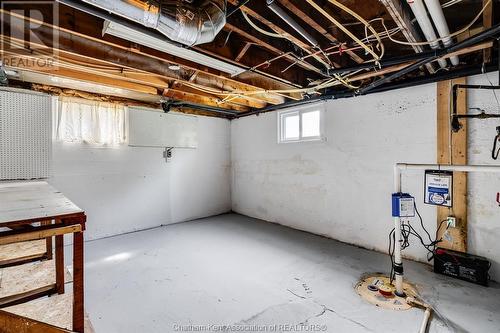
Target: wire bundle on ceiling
column 375, row 36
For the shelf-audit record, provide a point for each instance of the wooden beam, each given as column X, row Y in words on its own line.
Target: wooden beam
column 395, row 68
column 78, row 283
column 78, row 44
column 304, row 46
column 243, row 51
column 48, row 241
column 470, row 49
column 313, row 24
column 10, row 237
column 272, row 25
column 139, row 82
column 193, row 77
column 26, row 296
column 452, row 152
column 13, row 323
column 271, row 48
column 401, row 16
column 57, row 91
column 487, row 21
column 22, row 260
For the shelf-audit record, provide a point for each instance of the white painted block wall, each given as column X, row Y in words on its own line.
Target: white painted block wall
column 341, row 188
column 132, row 188
column 484, row 212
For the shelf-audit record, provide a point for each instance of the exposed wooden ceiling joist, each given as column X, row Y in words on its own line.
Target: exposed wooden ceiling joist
column 313, row 24
column 271, row 48
column 487, row 22
column 275, row 27
column 277, row 69
column 93, row 48
column 402, row 18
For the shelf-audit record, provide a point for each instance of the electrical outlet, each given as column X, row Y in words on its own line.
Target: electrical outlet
column 451, row 221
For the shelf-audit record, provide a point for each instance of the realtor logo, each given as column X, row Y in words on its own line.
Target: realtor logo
column 29, row 39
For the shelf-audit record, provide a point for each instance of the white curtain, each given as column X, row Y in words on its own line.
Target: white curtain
column 80, row 120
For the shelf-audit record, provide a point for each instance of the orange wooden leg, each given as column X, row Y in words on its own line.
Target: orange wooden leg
column 48, row 242
column 60, row 264
column 78, row 307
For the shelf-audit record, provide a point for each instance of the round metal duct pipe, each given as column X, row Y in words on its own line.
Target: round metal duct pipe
column 183, row 21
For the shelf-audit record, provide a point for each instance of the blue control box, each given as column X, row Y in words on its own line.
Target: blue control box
column 403, row 205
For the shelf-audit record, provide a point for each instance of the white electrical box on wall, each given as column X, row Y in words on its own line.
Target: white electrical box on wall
column 148, row 128
column 25, row 134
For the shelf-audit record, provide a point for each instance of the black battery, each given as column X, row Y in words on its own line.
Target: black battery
column 462, row 266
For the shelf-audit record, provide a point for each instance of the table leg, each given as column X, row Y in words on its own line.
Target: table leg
column 60, row 263
column 48, row 242
column 78, row 307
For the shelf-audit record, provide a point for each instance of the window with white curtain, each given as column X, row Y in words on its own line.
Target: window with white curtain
column 94, row 122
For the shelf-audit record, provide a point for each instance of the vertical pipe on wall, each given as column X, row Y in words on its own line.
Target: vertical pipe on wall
column 418, row 9
column 398, row 263
column 437, row 15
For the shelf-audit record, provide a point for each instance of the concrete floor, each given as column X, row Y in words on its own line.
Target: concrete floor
column 232, row 269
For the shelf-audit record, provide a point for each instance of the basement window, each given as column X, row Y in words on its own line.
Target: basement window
column 300, row 125
column 91, row 122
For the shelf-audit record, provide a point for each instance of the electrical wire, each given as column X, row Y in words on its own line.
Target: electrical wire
column 362, row 20
column 493, row 90
column 456, row 33
column 278, row 35
column 408, row 230
column 450, row 3
column 376, row 57
column 259, row 29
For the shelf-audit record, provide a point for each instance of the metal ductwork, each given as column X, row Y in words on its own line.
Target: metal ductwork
column 3, row 76
column 189, row 22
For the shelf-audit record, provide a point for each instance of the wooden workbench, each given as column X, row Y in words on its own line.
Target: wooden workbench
column 34, row 210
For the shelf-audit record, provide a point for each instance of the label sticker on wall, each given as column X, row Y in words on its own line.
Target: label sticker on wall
column 438, row 188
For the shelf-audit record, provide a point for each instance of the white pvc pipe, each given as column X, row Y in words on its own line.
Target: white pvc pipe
column 397, row 235
column 437, row 15
column 397, row 189
column 461, row 168
column 427, row 315
column 418, row 9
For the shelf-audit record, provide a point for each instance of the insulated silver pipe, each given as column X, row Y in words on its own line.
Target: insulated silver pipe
column 291, row 22
column 181, row 21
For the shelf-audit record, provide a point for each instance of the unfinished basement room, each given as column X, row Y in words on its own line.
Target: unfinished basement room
column 249, row 166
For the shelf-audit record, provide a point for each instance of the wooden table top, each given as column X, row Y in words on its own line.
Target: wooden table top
column 31, row 200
